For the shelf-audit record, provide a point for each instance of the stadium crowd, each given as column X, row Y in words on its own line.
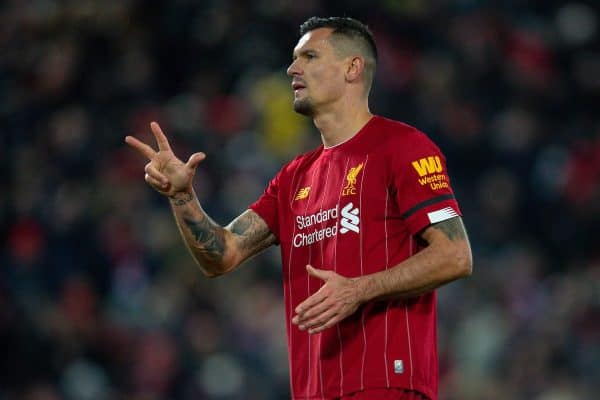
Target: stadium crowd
column 99, row 298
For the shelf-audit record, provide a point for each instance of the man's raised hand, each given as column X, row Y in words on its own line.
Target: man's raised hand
column 166, row 173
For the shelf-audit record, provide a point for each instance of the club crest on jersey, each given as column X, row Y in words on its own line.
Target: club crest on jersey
column 302, row 193
column 350, row 187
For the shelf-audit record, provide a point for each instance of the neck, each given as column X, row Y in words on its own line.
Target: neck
column 342, row 122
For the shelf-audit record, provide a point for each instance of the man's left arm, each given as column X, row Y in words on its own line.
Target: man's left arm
column 447, row 257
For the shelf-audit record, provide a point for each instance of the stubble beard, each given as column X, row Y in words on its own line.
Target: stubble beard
column 304, row 107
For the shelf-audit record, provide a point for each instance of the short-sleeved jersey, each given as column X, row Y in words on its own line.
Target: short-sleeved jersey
column 356, row 208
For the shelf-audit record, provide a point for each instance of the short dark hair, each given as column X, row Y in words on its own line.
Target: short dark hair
column 352, row 30
column 346, row 26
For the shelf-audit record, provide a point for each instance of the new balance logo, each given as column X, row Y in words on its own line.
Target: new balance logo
column 426, row 166
column 302, row 193
column 350, row 219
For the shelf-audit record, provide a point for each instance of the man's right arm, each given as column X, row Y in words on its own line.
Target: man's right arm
column 218, row 250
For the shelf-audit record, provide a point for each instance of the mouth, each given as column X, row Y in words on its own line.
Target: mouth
column 297, row 86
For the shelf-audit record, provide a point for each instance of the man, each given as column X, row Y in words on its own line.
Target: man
column 367, row 223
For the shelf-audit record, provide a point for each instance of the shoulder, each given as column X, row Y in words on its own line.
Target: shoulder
column 399, row 131
column 301, row 160
column 398, row 136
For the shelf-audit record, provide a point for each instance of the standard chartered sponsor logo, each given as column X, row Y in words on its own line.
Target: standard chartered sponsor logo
column 305, row 239
column 350, row 219
column 349, row 222
column 316, row 218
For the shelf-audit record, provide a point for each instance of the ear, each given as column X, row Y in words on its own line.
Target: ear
column 355, row 68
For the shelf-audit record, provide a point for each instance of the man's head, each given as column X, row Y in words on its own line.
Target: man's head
column 333, row 55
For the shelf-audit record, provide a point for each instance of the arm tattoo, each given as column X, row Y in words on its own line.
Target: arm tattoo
column 241, row 225
column 181, row 199
column 453, row 228
column 254, row 234
column 208, row 237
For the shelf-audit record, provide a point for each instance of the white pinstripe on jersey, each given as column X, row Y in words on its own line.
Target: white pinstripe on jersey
column 308, row 369
column 335, row 270
column 411, row 250
column 289, row 285
column 387, row 306
column 362, row 370
column 322, row 265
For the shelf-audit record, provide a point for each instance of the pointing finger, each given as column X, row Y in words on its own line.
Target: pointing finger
column 161, row 139
column 140, row 146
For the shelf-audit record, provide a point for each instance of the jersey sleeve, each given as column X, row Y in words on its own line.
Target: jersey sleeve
column 267, row 206
column 422, row 185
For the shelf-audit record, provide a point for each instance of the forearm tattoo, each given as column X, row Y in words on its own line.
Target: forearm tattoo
column 453, row 228
column 209, row 238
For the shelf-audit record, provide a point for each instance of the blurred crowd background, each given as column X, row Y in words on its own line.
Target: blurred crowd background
column 99, row 298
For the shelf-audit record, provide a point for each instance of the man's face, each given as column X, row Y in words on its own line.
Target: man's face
column 317, row 74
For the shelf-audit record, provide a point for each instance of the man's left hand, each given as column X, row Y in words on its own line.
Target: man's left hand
column 338, row 298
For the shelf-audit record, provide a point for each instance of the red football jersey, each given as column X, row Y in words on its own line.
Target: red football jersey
column 355, row 208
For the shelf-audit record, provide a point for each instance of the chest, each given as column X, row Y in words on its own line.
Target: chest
column 332, row 181
column 337, row 195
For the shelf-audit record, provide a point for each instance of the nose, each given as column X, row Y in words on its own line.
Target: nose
column 293, row 69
